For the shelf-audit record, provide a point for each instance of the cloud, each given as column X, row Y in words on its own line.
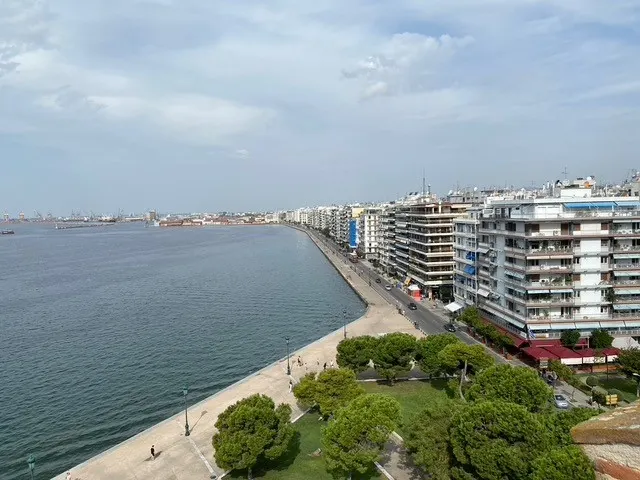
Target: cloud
column 316, row 88
column 405, row 62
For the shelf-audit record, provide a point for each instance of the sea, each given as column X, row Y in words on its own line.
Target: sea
column 100, row 328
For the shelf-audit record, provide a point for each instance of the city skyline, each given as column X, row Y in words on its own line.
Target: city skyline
column 193, row 104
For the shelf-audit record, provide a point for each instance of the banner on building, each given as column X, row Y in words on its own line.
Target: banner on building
column 353, row 234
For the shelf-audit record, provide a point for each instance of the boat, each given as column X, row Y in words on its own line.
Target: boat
column 7, row 232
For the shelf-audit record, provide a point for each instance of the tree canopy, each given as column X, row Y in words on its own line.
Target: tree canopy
column 250, row 430
column 559, row 424
column 569, row 338
column 356, row 353
column 428, row 348
column 428, row 439
column 520, row 385
column 454, row 356
column 393, row 354
column 495, row 440
column 354, row 440
column 629, row 360
column 563, row 371
column 562, row 464
column 600, row 339
column 330, row 390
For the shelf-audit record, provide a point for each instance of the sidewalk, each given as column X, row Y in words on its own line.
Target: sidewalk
column 191, row 458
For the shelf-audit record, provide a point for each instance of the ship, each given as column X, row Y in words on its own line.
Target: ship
column 7, row 232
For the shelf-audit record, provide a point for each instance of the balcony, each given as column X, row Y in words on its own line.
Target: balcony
column 550, row 251
column 586, row 253
column 627, row 266
column 549, row 284
column 552, row 269
column 622, row 231
column 541, row 302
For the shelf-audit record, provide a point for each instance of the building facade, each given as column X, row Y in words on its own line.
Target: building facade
column 370, row 233
column 465, row 256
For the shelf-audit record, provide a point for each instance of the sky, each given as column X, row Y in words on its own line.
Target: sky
column 207, row 105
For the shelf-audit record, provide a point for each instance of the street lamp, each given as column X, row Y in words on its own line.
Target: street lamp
column 288, row 364
column 185, row 391
column 31, row 461
column 344, row 322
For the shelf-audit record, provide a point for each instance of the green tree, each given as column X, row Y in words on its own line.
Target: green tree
column 471, row 316
column 494, row 441
column 427, row 350
column 563, row 464
column 559, row 424
column 356, row 353
column 331, row 390
column 460, row 356
column 600, row 339
column 569, row 338
column 354, row 440
column 251, row 430
column 520, row 385
column 629, row 361
column 394, row 354
column 428, row 439
column 564, row 372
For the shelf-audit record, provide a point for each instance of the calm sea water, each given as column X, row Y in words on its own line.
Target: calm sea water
column 100, row 328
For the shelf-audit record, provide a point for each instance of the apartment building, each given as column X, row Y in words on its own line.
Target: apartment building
column 465, row 256
column 424, row 242
column 370, row 233
column 388, row 246
column 564, row 262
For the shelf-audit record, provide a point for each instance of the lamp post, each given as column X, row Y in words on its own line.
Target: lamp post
column 344, row 322
column 288, row 363
column 31, row 461
column 185, row 391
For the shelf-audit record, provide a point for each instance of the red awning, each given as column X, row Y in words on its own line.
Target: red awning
column 563, row 352
column 538, row 353
column 611, row 351
column 549, row 342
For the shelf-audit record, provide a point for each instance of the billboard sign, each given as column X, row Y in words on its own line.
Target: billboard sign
column 353, row 234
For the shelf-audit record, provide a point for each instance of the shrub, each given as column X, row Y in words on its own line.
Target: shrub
column 599, row 397
column 592, row 381
column 615, row 391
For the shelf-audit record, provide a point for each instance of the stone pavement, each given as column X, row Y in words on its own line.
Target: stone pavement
column 191, row 458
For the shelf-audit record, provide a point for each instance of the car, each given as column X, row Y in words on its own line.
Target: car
column 387, row 288
column 412, row 306
column 561, row 401
column 378, row 280
column 450, row 327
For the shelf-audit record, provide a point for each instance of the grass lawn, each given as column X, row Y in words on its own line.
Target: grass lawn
column 626, row 385
column 298, row 464
column 413, row 396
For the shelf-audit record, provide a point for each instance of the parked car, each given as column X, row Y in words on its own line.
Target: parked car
column 450, row 327
column 561, row 401
column 387, row 288
column 378, row 280
column 412, row 306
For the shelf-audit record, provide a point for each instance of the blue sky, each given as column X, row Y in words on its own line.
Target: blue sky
column 191, row 105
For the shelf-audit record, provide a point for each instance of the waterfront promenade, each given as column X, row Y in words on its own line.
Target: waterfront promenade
column 179, row 457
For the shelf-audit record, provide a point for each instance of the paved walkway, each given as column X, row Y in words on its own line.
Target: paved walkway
column 191, row 458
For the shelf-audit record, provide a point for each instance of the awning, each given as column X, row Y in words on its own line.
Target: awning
column 413, row 287
column 483, row 250
column 563, row 326
column 539, row 353
column 519, row 290
column 590, row 205
column 537, row 292
column 562, row 290
column 470, row 270
column 539, row 326
column 627, row 292
column 483, row 293
column 622, row 306
column 517, row 275
column 632, row 324
column 453, row 307
column 580, row 325
column 629, row 273
column 612, row 324
column 626, row 255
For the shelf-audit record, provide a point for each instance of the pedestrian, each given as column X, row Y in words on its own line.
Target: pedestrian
column 331, row 363
column 68, row 477
column 325, row 366
column 290, row 386
column 318, row 362
column 153, row 452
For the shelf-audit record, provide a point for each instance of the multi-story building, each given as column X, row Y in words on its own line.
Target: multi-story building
column 424, row 243
column 388, row 247
column 465, row 256
column 370, row 233
column 567, row 261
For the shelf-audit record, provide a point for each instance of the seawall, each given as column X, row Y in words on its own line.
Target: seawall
column 192, row 457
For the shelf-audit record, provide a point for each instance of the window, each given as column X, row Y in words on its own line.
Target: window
column 604, row 260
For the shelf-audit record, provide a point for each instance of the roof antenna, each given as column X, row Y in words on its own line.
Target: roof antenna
column 565, row 173
column 423, row 182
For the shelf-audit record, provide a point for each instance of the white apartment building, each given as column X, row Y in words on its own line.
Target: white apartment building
column 564, row 262
column 424, row 243
column 370, row 233
column 465, row 256
column 388, row 247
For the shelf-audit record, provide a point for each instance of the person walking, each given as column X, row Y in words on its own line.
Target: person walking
column 68, row 477
column 331, row 363
column 153, row 452
column 325, row 366
column 290, row 386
